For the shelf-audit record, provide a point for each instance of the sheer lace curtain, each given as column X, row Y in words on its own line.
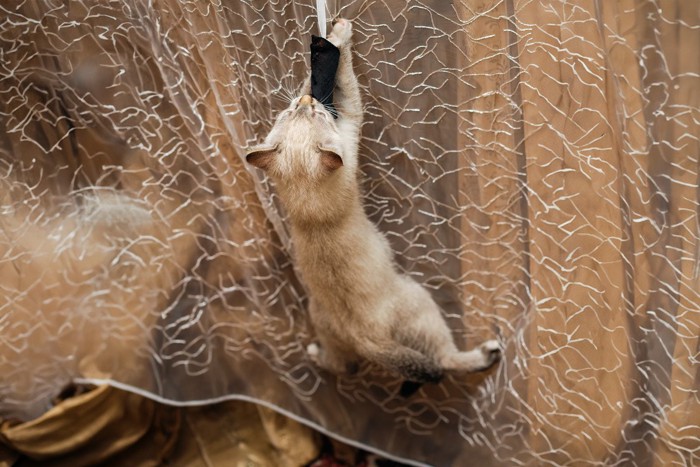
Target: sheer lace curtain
column 533, row 163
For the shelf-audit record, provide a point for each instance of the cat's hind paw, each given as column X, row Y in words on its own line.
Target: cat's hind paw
column 341, row 33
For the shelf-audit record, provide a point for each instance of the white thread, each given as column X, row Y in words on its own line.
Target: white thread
column 321, row 14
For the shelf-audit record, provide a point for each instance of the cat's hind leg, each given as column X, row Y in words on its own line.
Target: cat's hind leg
column 430, row 333
column 404, row 361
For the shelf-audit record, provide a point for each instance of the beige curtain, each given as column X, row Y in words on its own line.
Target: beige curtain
column 535, row 164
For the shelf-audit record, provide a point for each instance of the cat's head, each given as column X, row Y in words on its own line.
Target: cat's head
column 303, row 144
column 312, row 167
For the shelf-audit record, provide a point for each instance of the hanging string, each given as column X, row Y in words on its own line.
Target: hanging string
column 321, row 14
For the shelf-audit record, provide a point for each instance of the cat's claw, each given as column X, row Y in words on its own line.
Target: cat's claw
column 341, row 33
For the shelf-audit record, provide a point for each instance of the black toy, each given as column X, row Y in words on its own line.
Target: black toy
column 324, row 65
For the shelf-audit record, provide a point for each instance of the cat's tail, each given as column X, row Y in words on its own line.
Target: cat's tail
column 409, row 363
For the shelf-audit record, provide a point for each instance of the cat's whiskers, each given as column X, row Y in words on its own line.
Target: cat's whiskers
column 288, row 93
column 283, row 90
column 281, row 97
column 332, row 110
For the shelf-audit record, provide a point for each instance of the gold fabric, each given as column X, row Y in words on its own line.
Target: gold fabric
column 105, row 426
column 111, row 427
column 534, row 163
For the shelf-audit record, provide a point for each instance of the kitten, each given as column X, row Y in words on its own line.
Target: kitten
column 360, row 306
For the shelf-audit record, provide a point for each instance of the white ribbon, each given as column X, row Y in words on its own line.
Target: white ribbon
column 321, row 14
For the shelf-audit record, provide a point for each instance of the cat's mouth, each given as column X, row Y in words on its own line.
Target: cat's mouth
column 309, row 107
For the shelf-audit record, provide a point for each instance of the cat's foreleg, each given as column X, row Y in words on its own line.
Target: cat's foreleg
column 348, row 100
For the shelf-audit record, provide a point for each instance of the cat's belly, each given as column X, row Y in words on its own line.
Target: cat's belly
column 353, row 318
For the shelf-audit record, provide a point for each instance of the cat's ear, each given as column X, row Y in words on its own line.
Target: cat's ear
column 330, row 160
column 261, row 156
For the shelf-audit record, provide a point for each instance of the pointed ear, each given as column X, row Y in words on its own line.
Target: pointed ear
column 261, row 156
column 330, row 159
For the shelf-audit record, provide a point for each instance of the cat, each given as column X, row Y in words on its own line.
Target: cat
column 360, row 306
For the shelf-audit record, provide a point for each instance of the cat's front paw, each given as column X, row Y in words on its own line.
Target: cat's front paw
column 491, row 350
column 341, row 33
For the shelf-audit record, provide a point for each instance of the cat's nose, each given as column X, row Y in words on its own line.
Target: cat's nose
column 306, row 100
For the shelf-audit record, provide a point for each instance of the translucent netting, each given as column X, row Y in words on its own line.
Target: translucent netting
column 533, row 163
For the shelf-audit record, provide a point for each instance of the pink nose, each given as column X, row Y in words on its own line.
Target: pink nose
column 306, row 100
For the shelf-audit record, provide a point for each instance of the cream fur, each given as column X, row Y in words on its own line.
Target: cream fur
column 361, row 307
